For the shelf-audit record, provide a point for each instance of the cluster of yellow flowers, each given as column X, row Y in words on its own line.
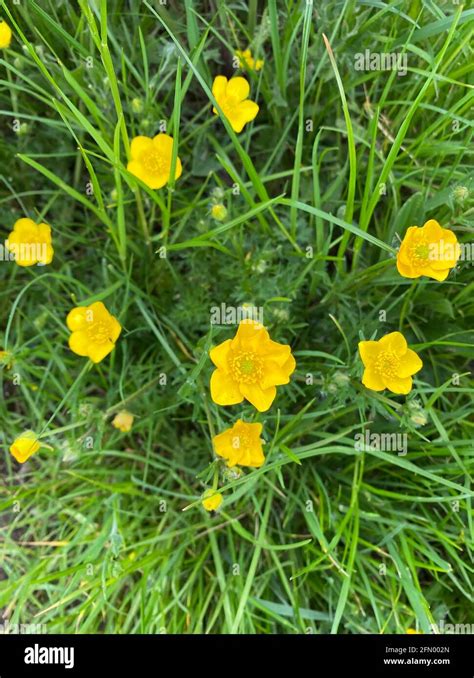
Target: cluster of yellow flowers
column 251, row 365
column 430, row 251
column 248, row 367
column 94, row 330
column 151, row 159
column 246, row 60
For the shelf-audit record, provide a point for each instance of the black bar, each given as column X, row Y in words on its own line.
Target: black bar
column 322, row 655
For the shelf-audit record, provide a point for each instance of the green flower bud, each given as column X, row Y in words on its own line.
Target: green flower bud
column 219, row 212
column 137, row 105
column 460, row 194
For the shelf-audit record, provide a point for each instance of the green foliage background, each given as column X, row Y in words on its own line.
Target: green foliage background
column 338, row 163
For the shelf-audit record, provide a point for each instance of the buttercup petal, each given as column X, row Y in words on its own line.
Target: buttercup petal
column 371, row 379
column 28, row 260
column 238, row 88
column 139, row 146
column 411, row 363
column 79, row 343
column 223, row 443
column 178, row 169
column 136, row 168
column 439, row 275
column 219, row 87
column 446, row 251
column 368, row 350
column 97, row 352
column 48, row 254
column 402, row 254
column 433, row 230
column 211, row 500
column 151, row 180
column 13, row 238
column 115, row 328
column 290, row 365
column 280, row 353
column 250, row 335
column 97, row 312
column 224, row 391
column 157, row 180
column 76, row 319
column 447, row 261
column 449, row 236
column 24, row 447
column 256, row 430
column 5, row 35
column 260, row 398
column 274, row 375
column 26, row 229
column 219, row 355
column 396, row 342
column 163, row 143
column 406, row 269
column 398, row 385
column 411, row 234
column 235, row 122
column 253, row 459
column 245, row 112
column 44, row 233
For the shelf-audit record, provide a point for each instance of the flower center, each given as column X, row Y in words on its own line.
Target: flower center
column 154, row 163
column 419, row 252
column 228, row 104
column 99, row 332
column 241, row 442
column 246, row 367
column 387, row 363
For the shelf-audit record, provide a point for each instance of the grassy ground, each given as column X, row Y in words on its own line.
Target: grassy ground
column 319, row 189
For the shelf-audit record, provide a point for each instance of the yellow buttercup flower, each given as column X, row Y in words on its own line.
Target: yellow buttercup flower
column 389, row 363
column 250, row 366
column 430, row 250
column 30, row 243
column 240, row 445
column 231, row 95
column 25, row 446
column 246, row 59
column 150, row 160
column 412, row 631
column 123, row 420
column 94, row 331
column 5, row 35
column 211, row 500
